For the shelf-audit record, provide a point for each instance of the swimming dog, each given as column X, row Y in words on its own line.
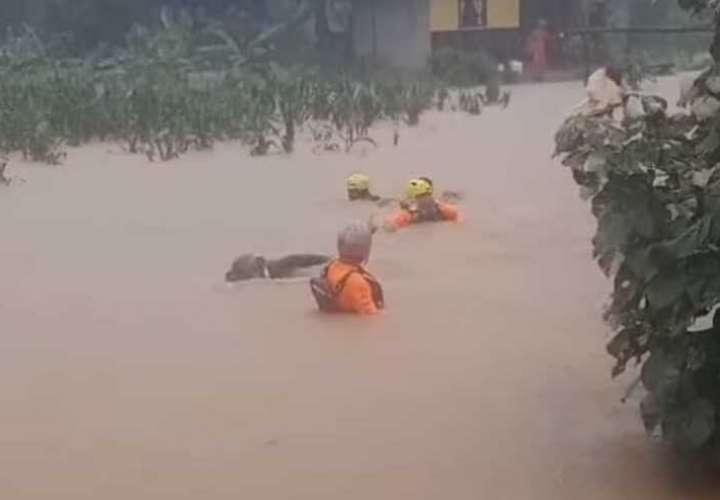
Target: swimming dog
column 251, row 266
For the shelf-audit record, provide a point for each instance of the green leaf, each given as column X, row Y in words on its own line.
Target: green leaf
column 666, row 288
column 691, row 426
column 640, row 263
column 621, row 343
column 690, row 242
column 651, row 412
column 660, row 375
column 701, row 178
column 613, row 232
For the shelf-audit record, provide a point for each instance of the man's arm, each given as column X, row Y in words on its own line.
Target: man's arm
column 398, row 220
column 449, row 212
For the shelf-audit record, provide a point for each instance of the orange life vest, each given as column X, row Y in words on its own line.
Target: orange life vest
column 329, row 296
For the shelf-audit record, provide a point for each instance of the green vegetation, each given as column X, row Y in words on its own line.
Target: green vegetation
column 463, row 68
column 181, row 87
column 654, row 185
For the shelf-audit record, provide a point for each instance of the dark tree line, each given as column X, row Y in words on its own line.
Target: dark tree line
column 90, row 22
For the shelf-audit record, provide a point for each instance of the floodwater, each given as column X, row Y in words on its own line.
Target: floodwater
column 130, row 371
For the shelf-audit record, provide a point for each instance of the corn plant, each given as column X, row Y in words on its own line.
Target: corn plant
column 355, row 107
column 185, row 85
column 25, row 119
column 471, row 102
column 4, row 180
column 441, row 98
column 293, row 95
column 416, row 99
column 259, row 118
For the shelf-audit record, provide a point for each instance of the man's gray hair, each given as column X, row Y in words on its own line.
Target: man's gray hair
column 354, row 243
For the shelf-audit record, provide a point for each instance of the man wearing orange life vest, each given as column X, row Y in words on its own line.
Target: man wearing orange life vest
column 420, row 206
column 346, row 286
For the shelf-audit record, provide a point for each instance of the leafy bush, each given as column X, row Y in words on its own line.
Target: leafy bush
column 655, row 190
column 654, row 186
column 462, row 68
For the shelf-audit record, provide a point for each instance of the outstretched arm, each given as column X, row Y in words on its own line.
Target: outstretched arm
column 450, row 212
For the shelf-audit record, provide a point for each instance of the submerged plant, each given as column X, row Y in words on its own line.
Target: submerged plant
column 5, row 180
column 471, row 102
column 416, row 98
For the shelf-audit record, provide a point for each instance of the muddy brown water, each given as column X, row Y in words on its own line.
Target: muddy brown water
column 129, row 370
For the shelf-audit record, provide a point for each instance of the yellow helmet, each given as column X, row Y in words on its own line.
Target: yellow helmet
column 358, row 182
column 417, row 188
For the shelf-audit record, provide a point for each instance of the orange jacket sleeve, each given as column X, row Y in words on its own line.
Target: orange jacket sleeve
column 450, row 212
column 357, row 296
column 398, row 220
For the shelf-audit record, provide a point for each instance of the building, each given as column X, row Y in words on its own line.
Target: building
column 403, row 32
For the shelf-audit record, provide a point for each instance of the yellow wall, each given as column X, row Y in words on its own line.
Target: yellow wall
column 503, row 14
column 444, row 14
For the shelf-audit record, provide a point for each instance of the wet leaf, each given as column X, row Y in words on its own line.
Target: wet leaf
column 660, row 374
column 710, row 143
column 651, row 413
column 702, row 177
column 640, row 263
column 695, row 239
column 691, row 426
column 666, row 288
column 620, row 344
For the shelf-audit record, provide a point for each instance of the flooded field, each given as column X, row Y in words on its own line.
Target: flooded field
column 131, row 371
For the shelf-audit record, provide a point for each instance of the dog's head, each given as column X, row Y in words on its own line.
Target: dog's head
column 246, row 267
